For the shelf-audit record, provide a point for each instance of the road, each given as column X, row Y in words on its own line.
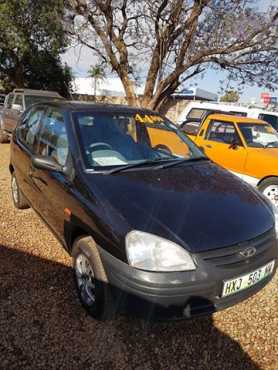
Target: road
column 43, row 326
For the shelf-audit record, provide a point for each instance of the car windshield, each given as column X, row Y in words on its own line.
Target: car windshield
column 126, row 139
column 259, row 136
column 33, row 99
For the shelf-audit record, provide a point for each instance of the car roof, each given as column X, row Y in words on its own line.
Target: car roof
column 238, row 119
column 36, row 92
column 78, row 106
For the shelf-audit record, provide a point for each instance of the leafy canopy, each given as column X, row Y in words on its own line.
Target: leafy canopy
column 166, row 42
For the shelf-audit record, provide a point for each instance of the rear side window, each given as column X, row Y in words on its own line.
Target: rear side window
column 10, row 100
column 196, row 113
column 271, row 119
column 53, row 141
column 223, row 132
column 28, row 129
column 240, row 114
column 18, row 100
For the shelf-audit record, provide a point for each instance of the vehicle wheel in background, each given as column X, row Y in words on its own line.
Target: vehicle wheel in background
column 19, row 200
column 91, row 279
column 269, row 188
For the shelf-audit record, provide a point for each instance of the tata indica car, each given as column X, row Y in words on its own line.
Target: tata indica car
column 247, row 147
column 153, row 226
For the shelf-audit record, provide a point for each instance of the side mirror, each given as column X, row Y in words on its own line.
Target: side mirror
column 46, row 163
column 17, row 107
column 233, row 145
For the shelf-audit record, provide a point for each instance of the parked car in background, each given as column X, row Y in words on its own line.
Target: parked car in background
column 15, row 104
column 153, row 226
column 197, row 109
column 245, row 146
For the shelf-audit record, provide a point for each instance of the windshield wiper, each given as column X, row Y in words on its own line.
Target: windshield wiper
column 134, row 165
column 176, row 162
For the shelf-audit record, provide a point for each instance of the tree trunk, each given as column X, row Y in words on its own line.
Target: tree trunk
column 18, row 76
column 131, row 97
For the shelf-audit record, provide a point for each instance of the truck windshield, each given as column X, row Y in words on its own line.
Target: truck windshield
column 118, row 139
column 33, row 99
column 259, row 136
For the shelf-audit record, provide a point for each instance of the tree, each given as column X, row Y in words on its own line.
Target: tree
column 96, row 73
column 230, row 96
column 31, row 40
column 167, row 42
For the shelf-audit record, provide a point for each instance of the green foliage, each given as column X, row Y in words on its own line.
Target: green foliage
column 31, row 40
column 230, row 96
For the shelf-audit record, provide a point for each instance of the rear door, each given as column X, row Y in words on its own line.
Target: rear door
column 24, row 147
column 14, row 114
column 222, row 144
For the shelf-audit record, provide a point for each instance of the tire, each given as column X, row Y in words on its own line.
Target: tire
column 269, row 188
column 3, row 137
column 19, row 200
column 91, row 280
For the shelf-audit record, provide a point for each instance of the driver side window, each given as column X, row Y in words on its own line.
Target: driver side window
column 223, row 132
column 53, row 141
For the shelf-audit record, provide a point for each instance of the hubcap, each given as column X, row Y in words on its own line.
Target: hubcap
column 271, row 192
column 14, row 189
column 85, row 279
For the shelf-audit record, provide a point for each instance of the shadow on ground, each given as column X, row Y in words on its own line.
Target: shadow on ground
column 43, row 326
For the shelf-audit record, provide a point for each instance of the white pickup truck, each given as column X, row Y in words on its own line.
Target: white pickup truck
column 15, row 104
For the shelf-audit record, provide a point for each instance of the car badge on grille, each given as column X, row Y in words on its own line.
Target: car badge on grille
column 248, row 252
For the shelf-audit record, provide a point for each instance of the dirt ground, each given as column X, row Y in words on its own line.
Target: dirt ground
column 43, row 326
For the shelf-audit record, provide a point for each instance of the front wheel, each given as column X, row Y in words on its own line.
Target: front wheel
column 269, row 188
column 91, row 279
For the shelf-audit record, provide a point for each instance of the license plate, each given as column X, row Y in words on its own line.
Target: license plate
column 246, row 281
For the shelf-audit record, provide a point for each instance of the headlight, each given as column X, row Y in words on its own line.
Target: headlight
column 150, row 252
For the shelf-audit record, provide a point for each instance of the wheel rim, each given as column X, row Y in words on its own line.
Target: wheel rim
column 271, row 192
column 14, row 189
column 85, row 279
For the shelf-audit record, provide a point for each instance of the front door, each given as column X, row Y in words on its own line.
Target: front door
column 223, row 145
column 53, row 186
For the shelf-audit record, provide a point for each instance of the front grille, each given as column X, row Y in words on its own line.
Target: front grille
column 231, row 257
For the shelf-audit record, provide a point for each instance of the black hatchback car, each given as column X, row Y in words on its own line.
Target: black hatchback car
column 153, row 226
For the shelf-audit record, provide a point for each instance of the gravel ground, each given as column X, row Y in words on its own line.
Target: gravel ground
column 43, row 326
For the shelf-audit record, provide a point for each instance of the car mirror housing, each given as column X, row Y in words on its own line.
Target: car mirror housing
column 46, row 163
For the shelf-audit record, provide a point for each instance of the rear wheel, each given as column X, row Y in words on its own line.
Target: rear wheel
column 269, row 188
column 91, row 280
column 19, row 200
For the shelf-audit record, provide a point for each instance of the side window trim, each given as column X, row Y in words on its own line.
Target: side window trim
column 26, row 116
column 45, row 116
column 211, row 122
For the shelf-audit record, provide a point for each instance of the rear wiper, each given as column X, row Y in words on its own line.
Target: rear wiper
column 182, row 160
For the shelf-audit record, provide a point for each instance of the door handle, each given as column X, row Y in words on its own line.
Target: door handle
column 208, row 146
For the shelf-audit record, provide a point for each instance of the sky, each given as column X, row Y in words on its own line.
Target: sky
column 80, row 58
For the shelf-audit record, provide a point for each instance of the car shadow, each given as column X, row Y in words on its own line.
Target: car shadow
column 43, row 326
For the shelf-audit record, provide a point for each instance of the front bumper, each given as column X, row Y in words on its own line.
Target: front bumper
column 177, row 295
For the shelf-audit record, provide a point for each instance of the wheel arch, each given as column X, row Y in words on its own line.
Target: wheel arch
column 266, row 178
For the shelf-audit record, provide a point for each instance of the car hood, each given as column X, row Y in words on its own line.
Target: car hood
column 199, row 206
